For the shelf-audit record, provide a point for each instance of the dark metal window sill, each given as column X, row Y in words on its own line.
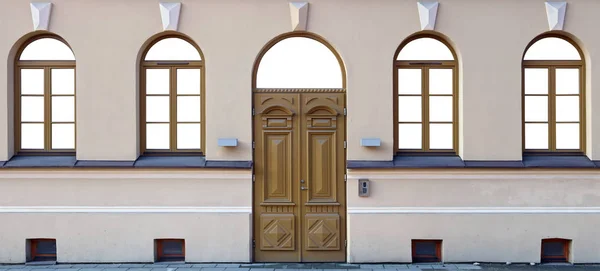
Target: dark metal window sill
column 154, row 161
column 453, row 161
column 41, row 161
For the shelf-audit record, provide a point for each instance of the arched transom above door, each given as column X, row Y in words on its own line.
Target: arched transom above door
column 299, row 62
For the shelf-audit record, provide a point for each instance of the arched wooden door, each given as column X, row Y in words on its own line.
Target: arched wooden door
column 299, row 167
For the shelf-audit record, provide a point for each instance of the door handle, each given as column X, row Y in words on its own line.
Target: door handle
column 302, row 187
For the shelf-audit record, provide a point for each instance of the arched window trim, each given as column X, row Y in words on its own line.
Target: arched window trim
column 426, row 64
column 552, row 64
column 47, row 66
column 172, row 65
column 197, row 56
column 284, row 36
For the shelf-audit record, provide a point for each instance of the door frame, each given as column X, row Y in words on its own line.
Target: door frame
column 345, row 170
column 255, row 90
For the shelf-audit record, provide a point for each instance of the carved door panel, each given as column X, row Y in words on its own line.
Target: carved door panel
column 299, row 189
column 276, row 170
column 322, row 194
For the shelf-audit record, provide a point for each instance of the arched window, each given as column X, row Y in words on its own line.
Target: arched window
column 425, row 81
column 45, row 96
column 172, row 95
column 299, row 62
column 553, row 100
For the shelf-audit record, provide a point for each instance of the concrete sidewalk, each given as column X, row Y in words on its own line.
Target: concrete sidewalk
column 294, row 266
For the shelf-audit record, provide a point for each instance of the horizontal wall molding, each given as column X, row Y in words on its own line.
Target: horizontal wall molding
column 492, row 175
column 135, row 174
column 122, row 209
column 351, row 210
column 474, row 210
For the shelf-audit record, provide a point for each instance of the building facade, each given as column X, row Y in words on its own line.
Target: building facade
column 454, row 131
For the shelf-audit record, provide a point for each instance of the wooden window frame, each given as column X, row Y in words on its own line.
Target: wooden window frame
column 47, row 66
column 426, row 259
column 551, row 66
column 161, row 257
column 425, row 66
column 565, row 258
column 172, row 66
column 33, row 243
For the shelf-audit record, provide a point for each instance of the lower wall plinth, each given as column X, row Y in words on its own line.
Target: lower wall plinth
column 471, row 237
column 128, row 237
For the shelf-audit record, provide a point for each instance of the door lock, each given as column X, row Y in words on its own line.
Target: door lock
column 301, row 181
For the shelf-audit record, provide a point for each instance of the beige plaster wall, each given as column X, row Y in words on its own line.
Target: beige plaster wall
column 476, row 188
column 126, row 188
column 107, row 36
column 481, row 215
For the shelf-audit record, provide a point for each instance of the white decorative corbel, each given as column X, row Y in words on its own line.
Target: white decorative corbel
column 427, row 14
column 40, row 15
column 169, row 13
column 555, row 11
column 299, row 15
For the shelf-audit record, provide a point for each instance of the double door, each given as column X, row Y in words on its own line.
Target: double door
column 299, row 167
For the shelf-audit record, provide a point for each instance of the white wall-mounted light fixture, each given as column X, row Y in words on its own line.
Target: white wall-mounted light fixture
column 227, row 142
column 370, row 142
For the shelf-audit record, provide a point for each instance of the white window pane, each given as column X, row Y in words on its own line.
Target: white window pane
column 188, row 108
column 32, row 136
column 47, row 49
column 536, row 136
column 32, row 81
column 567, row 136
column 536, row 81
column 63, row 81
column 188, row 81
column 440, row 81
column 299, row 62
column 536, row 108
column 157, row 109
column 409, row 108
column 63, row 108
column 157, row 136
column 552, row 49
column 409, row 136
column 440, row 136
column 32, row 108
column 567, row 108
column 440, row 108
column 409, row 81
column 188, row 136
column 157, row 81
column 425, row 49
column 63, row 136
column 173, row 49
column 567, row 81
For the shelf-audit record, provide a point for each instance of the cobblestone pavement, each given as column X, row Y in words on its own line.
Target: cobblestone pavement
column 288, row 267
